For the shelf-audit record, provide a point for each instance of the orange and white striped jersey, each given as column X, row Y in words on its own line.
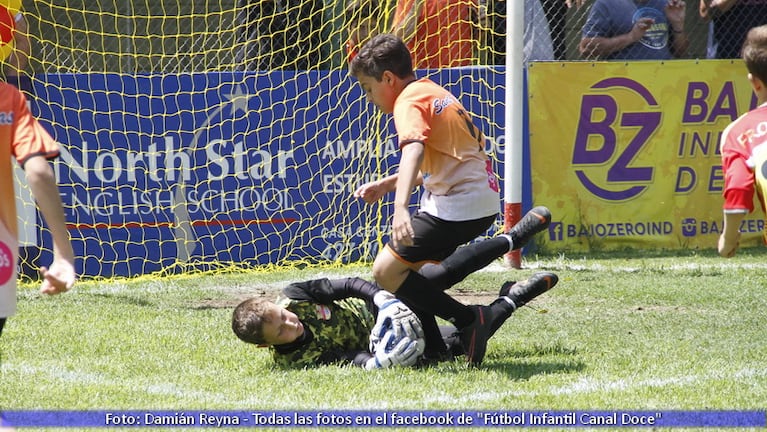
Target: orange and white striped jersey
column 459, row 180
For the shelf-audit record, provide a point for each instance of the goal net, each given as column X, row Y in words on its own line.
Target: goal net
column 218, row 134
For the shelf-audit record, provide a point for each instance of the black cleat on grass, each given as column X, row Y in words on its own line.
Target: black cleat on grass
column 474, row 337
column 522, row 292
column 535, row 221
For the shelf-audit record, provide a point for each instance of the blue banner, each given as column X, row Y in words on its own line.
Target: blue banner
column 211, row 168
column 389, row 418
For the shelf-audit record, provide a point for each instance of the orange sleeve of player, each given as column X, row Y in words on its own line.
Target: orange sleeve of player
column 29, row 138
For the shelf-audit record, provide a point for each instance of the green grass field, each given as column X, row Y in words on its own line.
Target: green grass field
column 621, row 331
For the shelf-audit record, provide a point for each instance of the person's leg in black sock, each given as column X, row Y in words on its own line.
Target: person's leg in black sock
column 419, row 291
column 468, row 259
column 465, row 261
column 2, row 324
column 473, row 322
column 435, row 346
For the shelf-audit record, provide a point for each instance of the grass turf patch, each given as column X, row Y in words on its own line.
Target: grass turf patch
column 666, row 332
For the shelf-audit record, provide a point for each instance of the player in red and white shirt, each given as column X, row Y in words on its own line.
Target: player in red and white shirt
column 744, row 149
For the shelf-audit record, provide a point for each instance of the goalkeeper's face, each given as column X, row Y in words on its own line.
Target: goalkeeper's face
column 381, row 93
column 281, row 326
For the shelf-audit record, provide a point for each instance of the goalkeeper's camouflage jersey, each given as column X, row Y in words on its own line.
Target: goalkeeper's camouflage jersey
column 332, row 332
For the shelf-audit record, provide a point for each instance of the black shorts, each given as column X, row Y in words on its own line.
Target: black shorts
column 436, row 239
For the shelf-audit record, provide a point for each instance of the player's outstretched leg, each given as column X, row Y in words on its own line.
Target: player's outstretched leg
column 535, row 221
column 514, row 295
column 470, row 258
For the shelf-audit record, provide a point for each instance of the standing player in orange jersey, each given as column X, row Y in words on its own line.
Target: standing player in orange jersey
column 442, row 150
column 744, row 148
column 23, row 138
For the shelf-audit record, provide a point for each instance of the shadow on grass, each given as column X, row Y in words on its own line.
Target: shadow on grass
column 119, row 298
column 527, row 362
column 527, row 370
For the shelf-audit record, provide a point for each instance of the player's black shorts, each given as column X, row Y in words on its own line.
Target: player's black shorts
column 435, row 239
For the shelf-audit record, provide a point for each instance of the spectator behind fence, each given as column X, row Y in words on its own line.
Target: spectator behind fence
column 731, row 21
column 556, row 16
column 544, row 34
column 635, row 30
column 278, row 35
column 537, row 37
column 439, row 33
column 363, row 20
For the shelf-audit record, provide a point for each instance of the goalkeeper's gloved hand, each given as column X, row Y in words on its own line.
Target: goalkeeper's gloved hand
column 391, row 351
column 393, row 314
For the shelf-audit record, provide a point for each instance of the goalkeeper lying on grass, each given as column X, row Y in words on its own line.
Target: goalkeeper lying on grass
column 332, row 321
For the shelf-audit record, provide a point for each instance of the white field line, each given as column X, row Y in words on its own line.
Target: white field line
column 89, row 378
column 588, row 386
column 724, row 265
column 201, row 398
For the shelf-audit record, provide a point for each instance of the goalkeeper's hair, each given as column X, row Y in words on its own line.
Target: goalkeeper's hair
column 754, row 52
column 248, row 320
column 381, row 53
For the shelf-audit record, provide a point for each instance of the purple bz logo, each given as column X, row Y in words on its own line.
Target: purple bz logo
column 600, row 119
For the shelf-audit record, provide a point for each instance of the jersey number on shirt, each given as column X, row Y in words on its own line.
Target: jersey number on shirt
column 473, row 130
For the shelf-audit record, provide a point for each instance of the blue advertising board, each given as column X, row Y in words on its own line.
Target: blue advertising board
column 250, row 168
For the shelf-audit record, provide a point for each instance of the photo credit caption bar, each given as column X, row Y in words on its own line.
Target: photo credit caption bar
column 390, row 418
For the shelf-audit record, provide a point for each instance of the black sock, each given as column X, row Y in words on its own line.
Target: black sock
column 2, row 324
column 500, row 311
column 435, row 344
column 465, row 261
column 420, row 292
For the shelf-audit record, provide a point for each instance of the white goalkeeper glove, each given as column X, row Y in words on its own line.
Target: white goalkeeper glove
column 393, row 314
column 391, row 351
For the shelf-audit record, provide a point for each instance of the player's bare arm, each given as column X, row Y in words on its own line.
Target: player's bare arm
column 60, row 276
column 373, row 191
column 409, row 169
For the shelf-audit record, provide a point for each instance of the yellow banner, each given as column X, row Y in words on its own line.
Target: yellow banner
column 627, row 154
